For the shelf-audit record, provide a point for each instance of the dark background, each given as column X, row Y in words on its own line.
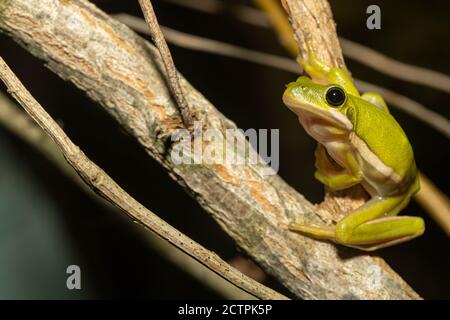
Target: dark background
column 49, row 223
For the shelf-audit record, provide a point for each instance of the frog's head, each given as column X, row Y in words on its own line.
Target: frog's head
column 322, row 109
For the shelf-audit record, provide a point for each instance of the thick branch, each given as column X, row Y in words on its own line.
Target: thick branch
column 122, row 73
column 313, row 21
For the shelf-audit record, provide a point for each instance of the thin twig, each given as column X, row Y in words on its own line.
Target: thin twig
column 242, row 13
column 193, row 42
column 188, row 41
column 99, row 181
column 279, row 22
column 18, row 123
column 395, row 68
column 171, row 71
column 246, row 14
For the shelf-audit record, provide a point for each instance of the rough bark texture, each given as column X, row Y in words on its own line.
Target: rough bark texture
column 312, row 20
column 122, row 72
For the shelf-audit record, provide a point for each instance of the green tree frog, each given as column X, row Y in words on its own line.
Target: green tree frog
column 360, row 142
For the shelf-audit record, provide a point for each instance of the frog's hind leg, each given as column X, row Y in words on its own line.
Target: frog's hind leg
column 342, row 232
column 375, row 225
column 372, row 226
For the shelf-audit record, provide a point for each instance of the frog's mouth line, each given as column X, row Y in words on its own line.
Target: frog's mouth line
column 333, row 116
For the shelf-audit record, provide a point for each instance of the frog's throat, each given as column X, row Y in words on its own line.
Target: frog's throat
column 331, row 116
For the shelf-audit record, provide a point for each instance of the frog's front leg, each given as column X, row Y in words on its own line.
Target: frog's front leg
column 375, row 99
column 371, row 227
column 331, row 174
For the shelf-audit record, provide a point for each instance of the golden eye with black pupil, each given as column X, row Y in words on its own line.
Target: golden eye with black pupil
column 335, row 96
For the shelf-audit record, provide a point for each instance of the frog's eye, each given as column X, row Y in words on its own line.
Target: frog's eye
column 335, row 96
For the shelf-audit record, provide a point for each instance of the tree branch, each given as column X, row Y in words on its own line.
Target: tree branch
column 122, row 72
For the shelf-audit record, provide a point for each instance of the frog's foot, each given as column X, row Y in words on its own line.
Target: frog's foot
column 324, row 233
column 324, row 74
column 379, row 233
column 315, row 68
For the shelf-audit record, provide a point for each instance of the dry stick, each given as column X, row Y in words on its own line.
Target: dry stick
column 171, row 72
column 121, row 72
column 101, row 183
column 20, row 124
column 243, row 13
column 279, row 22
column 395, row 68
column 189, row 41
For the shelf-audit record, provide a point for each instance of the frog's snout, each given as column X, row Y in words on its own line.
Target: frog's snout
column 290, row 94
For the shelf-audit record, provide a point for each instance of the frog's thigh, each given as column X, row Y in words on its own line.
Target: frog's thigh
column 387, row 231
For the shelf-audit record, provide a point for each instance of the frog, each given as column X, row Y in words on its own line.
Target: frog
column 359, row 142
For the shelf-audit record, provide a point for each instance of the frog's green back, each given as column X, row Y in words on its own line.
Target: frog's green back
column 383, row 135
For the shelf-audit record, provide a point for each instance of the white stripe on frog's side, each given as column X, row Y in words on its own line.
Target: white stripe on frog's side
column 372, row 160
